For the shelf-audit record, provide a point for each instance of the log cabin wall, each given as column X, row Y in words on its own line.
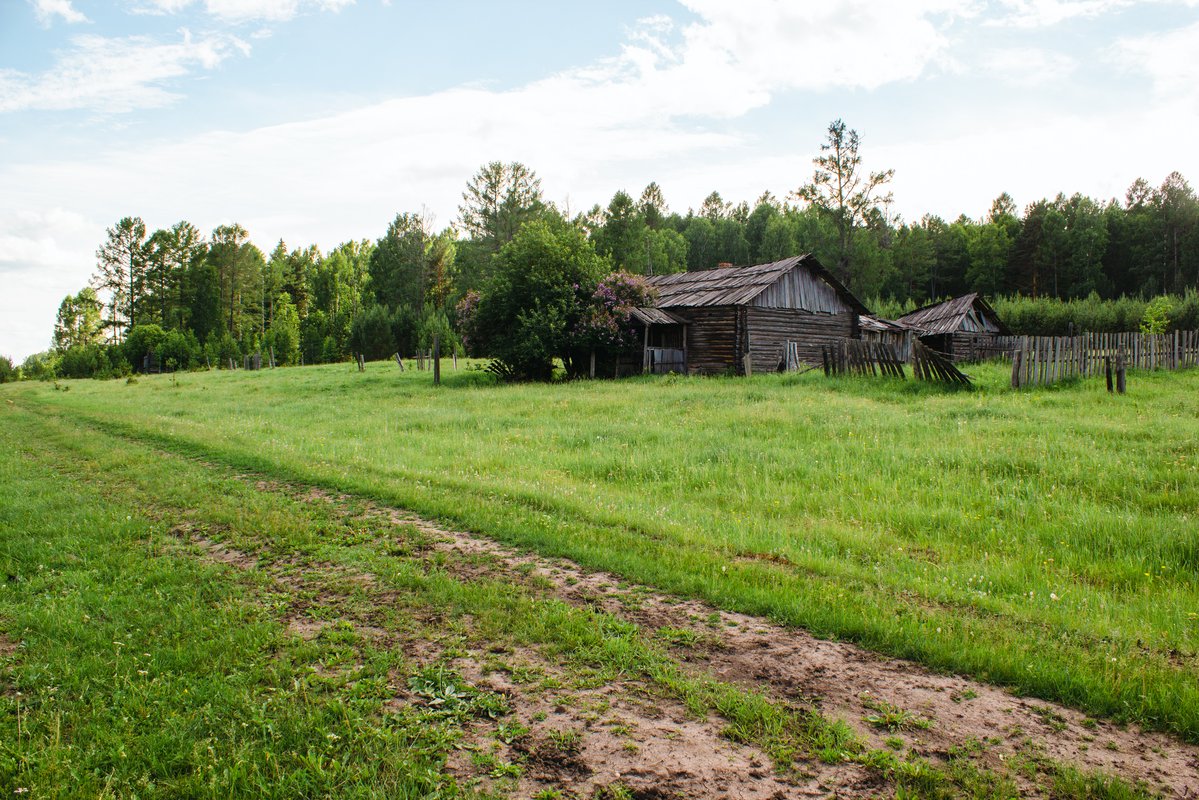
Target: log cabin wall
column 967, row 346
column 712, row 339
column 767, row 330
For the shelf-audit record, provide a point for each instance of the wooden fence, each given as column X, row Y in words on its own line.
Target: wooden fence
column 857, row 357
column 1043, row 360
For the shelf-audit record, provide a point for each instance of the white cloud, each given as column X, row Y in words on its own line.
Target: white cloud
column 114, row 75
column 1044, row 13
column 765, row 45
column 1168, row 59
column 47, row 10
column 247, row 10
column 1028, row 66
column 44, row 256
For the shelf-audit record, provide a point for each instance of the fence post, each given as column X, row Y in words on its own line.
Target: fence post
column 1120, row 377
column 436, row 360
column 1016, row 358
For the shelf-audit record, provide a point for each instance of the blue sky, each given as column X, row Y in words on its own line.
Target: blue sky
column 316, row 121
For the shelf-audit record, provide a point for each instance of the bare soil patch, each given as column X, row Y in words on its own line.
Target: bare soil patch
column 623, row 738
column 842, row 680
column 623, row 734
column 674, row 755
column 7, row 647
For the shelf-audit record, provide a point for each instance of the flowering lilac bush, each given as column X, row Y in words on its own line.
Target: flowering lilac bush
column 607, row 324
column 465, row 313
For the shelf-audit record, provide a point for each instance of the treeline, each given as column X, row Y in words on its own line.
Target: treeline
column 194, row 300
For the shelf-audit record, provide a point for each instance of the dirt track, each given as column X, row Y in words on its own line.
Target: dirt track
column 656, row 748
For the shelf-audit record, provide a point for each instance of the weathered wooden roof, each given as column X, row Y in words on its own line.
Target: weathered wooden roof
column 736, row 286
column 655, row 316
column 869, row 322
column 959, row 314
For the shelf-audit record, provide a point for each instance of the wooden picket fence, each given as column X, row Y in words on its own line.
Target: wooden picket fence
column 858, row 357
column 1044, row 360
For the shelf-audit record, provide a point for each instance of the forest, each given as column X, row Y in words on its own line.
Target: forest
column 1070, row 262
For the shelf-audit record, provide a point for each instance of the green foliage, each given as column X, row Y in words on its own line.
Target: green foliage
column 445, row 694
column 702, row 245
column 1047, row 316
column 78, row 321
column 434, row 322
column 1068, row 252
column 40, row 367
column 179, row 350
column 284, row 334
column 83, row 361
column 848, row 197
column 371, row 334
column 399, row 263
column 203, row 298
column 121, row 272
column 224, row 348
column 141, row 340
column 7, row 371
column 543, row 285
column 1156, row 318
column 499, row 200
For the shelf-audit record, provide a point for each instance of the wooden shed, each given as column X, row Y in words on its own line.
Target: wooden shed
column 884, row 331
column 740, row 319
column 965, row 328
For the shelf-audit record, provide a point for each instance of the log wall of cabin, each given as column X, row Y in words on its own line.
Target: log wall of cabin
column 974, row 346
column 712, row 339
column 768, row 329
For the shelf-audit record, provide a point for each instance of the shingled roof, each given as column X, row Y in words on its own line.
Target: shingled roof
column 952, row 316
column 735, row 286
column 869, row 322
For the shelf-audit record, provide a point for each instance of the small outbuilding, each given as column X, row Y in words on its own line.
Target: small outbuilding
column 746, row 319
column 884, row 331
column 965, row 328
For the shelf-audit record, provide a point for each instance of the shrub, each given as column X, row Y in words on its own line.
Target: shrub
column 607, row 325
column 284, row 334
column 142, row 339
column 533, row 304
column 226, row 348
column 371, row 334
column 8, row 372
column 40, row 367
column 83, row 361
column 1157, row 316
column 179, row 350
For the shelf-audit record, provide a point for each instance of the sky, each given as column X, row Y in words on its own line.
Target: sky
column 317, row 121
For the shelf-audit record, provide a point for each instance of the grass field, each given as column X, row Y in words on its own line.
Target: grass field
column 1042, row 540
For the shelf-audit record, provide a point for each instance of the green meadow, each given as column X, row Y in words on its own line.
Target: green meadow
column 1044, row 540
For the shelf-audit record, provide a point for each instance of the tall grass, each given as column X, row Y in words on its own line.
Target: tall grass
column 1042, row 540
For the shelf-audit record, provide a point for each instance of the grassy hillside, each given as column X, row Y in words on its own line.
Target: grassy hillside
column 1043, row 540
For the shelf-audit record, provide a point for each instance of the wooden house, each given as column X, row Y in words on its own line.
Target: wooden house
column 884, row 331
column 965, row 328
column 741, row 319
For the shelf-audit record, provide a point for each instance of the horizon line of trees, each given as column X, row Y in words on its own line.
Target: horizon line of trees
column 200, row 300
